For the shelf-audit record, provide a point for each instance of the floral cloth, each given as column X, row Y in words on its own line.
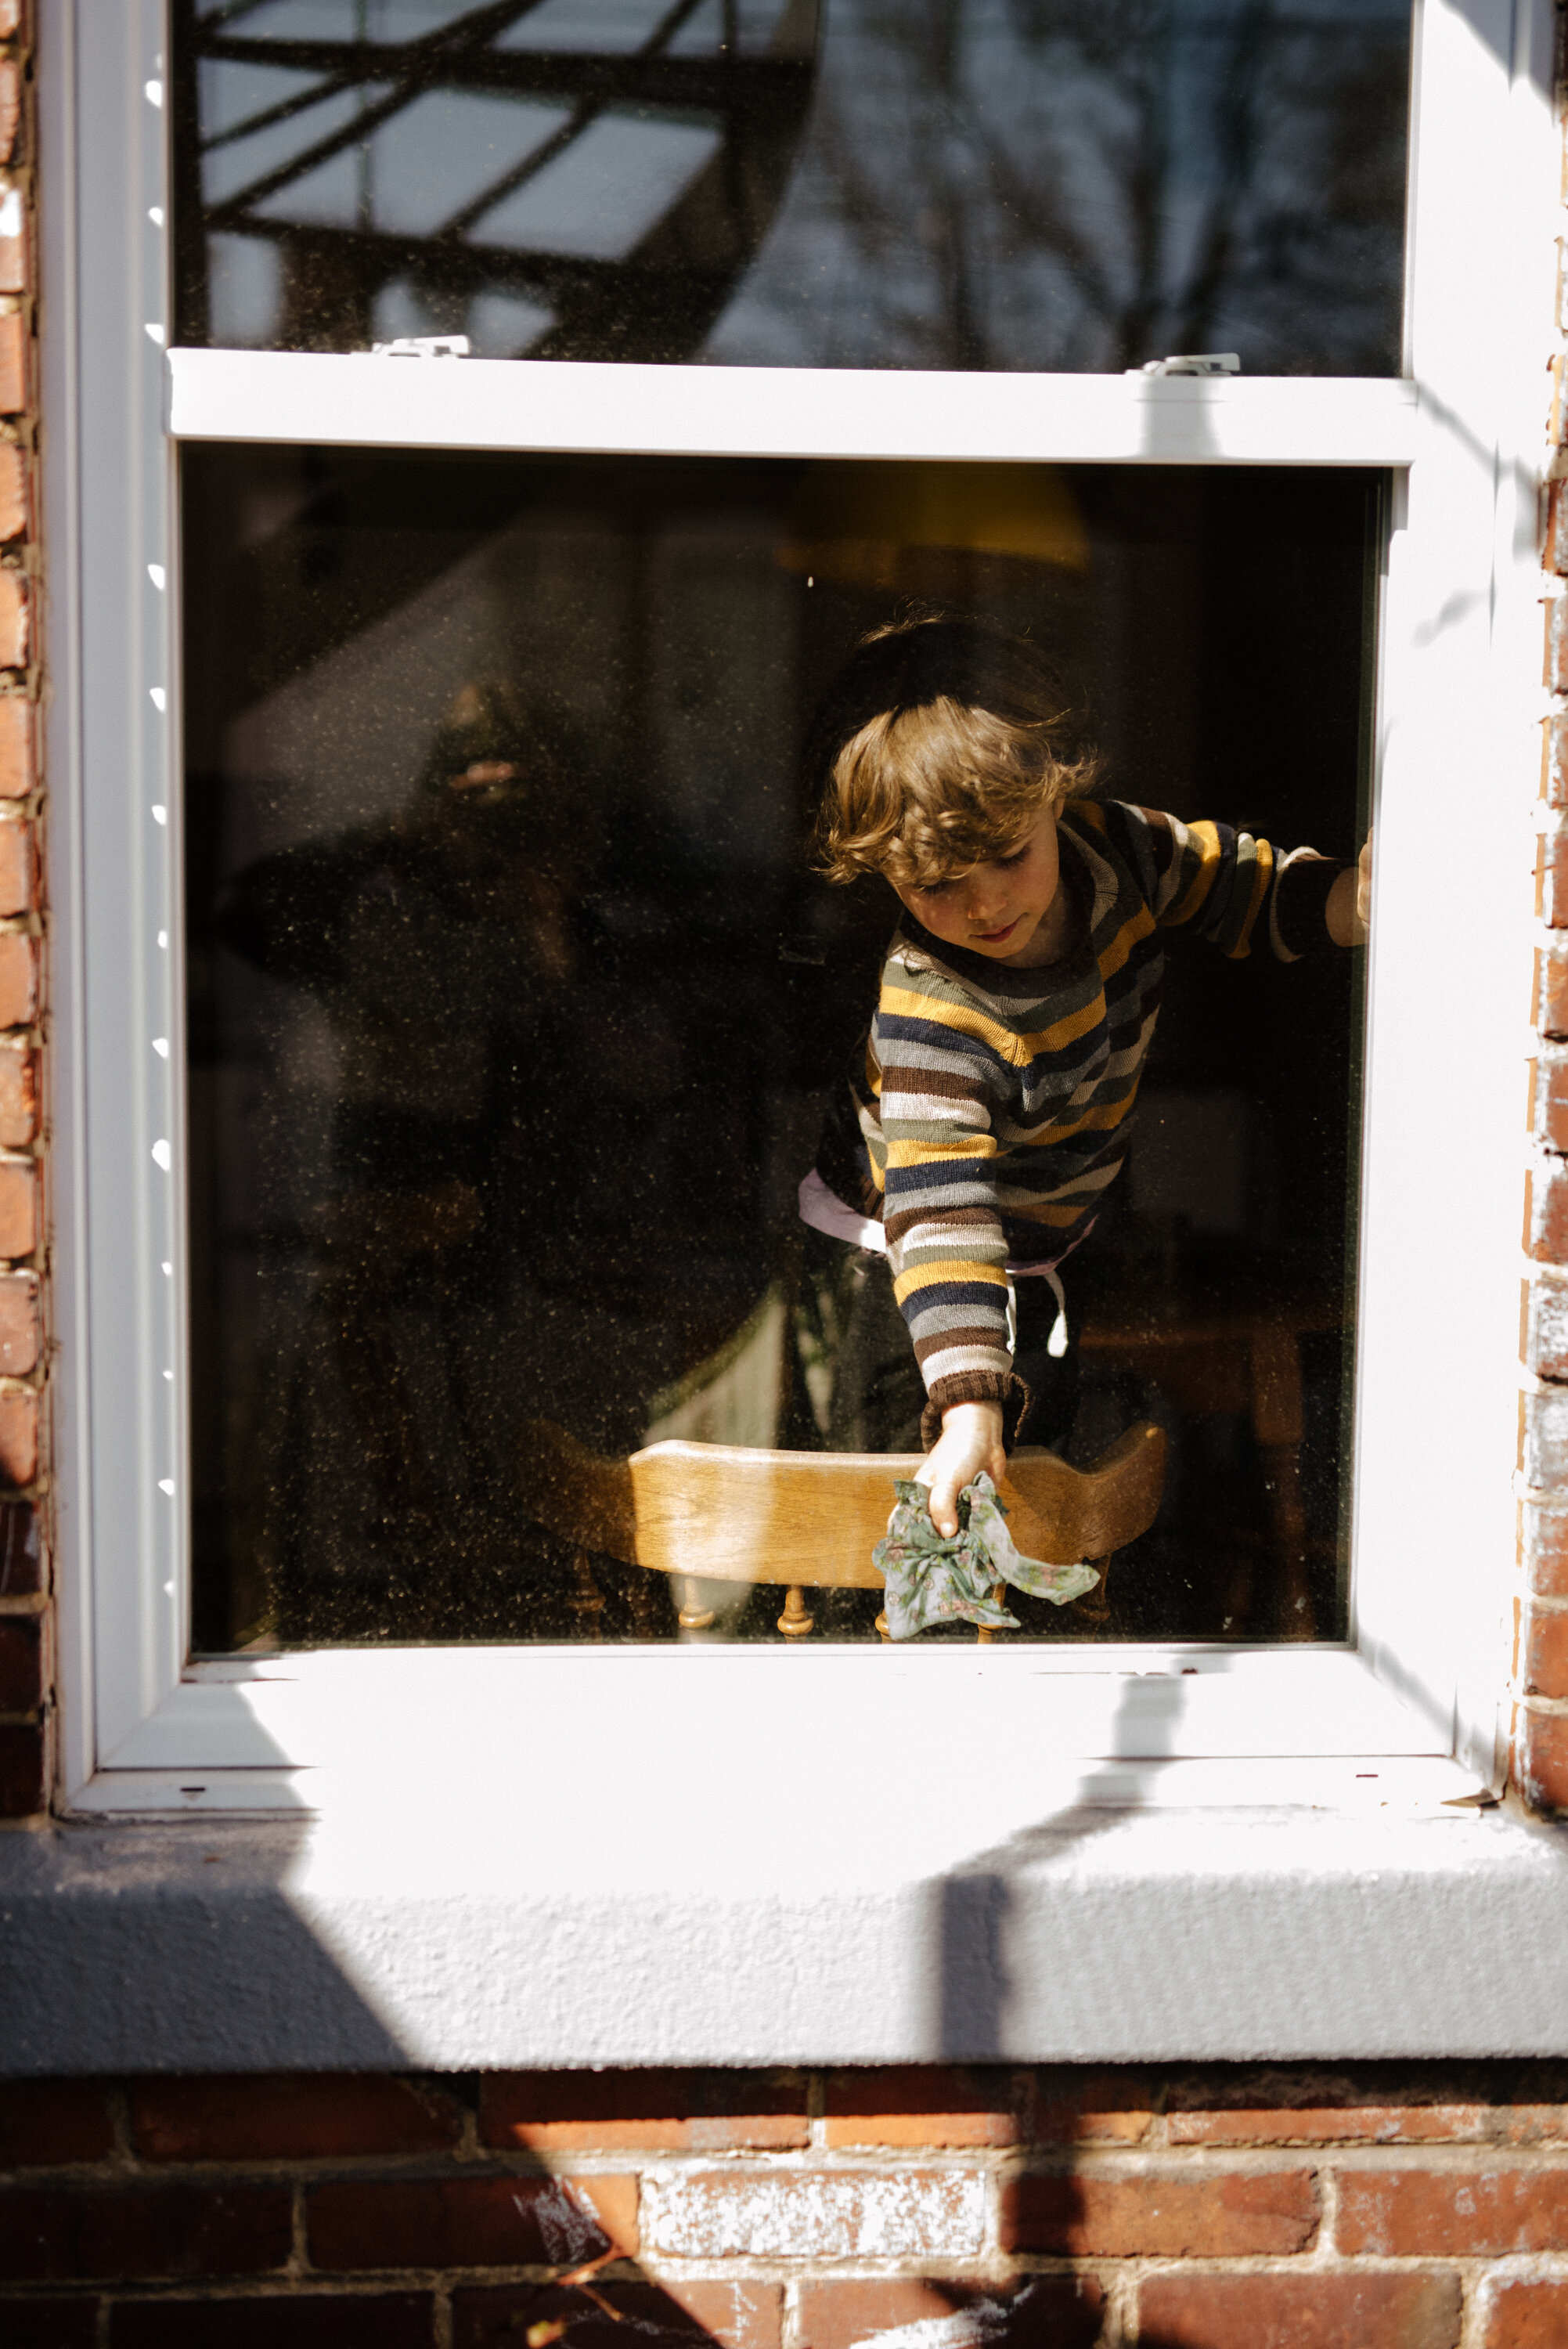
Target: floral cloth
column 931, row 1578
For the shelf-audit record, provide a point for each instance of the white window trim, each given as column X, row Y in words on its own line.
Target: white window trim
column 556, row 405
column 1459, row 677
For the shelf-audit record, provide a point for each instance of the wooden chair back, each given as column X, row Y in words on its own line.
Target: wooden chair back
column 809, row 1520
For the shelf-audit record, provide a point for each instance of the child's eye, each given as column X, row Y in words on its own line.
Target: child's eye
column 1015, row 855
column 936, row 889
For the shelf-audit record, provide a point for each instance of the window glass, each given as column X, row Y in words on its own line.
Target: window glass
column 516, row 1010
column 1051, row 184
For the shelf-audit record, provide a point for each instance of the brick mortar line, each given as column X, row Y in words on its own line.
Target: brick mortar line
column 284, row 2282
column 1542, row 1496
column 288, row 2283
column 1324, row 2166
column 1012, row 2265
column 1091, row 2160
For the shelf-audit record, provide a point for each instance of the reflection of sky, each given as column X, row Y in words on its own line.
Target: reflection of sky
column 616, row 27
column 609, row 28
column 429, row 159
column 340, row 20
column 601, row 195
column 231, row 94
column 498, row 325
column 246, row 285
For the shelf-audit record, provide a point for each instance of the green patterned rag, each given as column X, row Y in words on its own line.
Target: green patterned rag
column 931, row 1578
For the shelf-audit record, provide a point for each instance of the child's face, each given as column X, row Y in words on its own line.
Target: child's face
column 1003, row 908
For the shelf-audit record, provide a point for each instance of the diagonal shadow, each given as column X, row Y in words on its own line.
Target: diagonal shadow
column 976, row 1900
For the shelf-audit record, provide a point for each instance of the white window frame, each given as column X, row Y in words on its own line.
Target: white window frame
column 1416, row 1689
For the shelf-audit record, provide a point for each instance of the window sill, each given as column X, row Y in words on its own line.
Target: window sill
column 797, row 1903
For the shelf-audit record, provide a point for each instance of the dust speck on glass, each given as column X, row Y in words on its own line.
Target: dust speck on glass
column 983, row 184
column 516, row 1009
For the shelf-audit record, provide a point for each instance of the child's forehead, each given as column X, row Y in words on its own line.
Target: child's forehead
column 1004, row 843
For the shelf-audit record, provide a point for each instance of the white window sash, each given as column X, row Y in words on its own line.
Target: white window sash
column 1458, row 665
column 602, row 410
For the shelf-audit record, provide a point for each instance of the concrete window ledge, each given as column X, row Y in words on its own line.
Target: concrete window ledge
column 687, row 1928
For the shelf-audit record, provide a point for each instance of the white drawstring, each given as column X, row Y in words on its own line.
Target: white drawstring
column 1056, row 1343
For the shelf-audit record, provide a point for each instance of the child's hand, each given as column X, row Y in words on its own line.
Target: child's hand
column 971, row 1439
column 1348, row 912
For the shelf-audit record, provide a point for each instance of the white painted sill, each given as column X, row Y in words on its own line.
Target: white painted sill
column 754, row 1880
column 571, row 1856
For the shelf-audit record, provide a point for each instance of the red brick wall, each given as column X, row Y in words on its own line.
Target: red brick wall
column 1384, row 2208
column 26, row 1664
column 1540, row 1722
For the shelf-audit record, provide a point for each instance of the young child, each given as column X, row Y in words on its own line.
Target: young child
column 1018, row 1001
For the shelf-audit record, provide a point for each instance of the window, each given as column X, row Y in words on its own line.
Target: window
column 724, row 447
column 500, row 1091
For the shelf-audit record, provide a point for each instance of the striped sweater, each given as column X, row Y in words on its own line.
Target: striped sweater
column 996, row 1104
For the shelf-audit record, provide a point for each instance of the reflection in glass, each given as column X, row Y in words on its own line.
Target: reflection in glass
column 514, row 1007
column 1053, row 184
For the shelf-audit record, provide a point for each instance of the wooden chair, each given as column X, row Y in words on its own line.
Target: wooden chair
column 807, row 1520
column 1240, row 1353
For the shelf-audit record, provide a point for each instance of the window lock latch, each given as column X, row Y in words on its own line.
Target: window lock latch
column 421, row 346
column 1193, row 363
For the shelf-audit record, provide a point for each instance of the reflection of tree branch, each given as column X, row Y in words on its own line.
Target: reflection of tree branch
column 1147, row 171
column 1238, row 142
column 1043, row 223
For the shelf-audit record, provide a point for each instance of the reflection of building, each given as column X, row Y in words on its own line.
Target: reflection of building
column 569, row 180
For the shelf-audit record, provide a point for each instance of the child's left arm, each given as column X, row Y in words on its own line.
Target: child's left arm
column 1348, row 910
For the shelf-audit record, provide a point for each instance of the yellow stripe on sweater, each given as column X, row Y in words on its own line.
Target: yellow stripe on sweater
column 1067, row 1028
column 1103, row 1119
column 1262, row 875
column 1207, row 837
column 932, row 1154
column 962, row 1018
column 954, row 1269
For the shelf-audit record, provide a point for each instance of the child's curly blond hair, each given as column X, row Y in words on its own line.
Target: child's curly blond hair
column 940, row 742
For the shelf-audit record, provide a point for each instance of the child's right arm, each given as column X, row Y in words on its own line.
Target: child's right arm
column 943, row 1073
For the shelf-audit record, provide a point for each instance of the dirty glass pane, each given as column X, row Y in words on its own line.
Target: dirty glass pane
column 1053, row 184
column 515, row 1011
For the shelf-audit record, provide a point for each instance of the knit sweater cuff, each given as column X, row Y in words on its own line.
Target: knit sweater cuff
column 1298, row 923
column 1004, row 1387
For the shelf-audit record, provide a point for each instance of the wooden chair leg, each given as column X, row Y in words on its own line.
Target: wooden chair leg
column 1279, row 1423
column 694, row 1616
column 1094, row 1606
column 587, row 1601
column 882, row 1628
column 647, row 1603
column 794, row 1622
column 982, row 1636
